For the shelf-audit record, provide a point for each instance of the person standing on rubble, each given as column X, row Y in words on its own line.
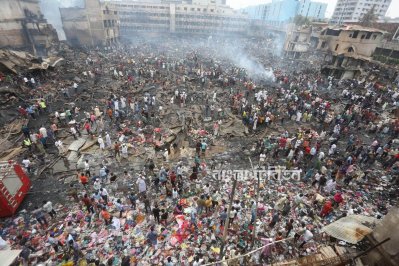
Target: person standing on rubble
column 40, row 216
column 84, row 180
column 119, row 207
column 87, row 168
column 48, row 207
column 27, row 164
column 25, row 130
column 152, row 237
column 117, row 152
column 73, row 132
column 106, row 216
column 156, row 212
column 133, row 199
column 42, row 105
column 88, row 203
column 28, row 144
column 147, row 204
column 104, row 195
column 141, row 185
column 101, row 143
column 108, row 141
column 203, row 148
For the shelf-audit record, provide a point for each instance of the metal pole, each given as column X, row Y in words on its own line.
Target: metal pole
column 396, row 32
column 256, row 205
column 227, row 223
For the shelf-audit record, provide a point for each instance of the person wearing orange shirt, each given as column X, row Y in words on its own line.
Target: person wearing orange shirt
column 106, row 216
column 84, row 180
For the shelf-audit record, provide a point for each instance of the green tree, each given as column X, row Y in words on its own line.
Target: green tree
column 369, row 18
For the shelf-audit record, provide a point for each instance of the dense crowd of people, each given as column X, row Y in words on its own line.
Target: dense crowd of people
column 342, row 136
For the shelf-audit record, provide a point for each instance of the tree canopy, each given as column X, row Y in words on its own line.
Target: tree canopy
column 369, row 18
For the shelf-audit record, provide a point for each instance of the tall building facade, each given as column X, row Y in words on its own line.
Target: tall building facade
column 280, row 12
column 183, row 17
column 96, row 24
column 354, row 10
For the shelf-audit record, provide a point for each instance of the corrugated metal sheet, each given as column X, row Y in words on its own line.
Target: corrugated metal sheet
column 351, row 229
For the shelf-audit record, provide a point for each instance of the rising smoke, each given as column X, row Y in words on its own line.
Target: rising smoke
column 252, row 66
column 51, row 11
column 238, row 55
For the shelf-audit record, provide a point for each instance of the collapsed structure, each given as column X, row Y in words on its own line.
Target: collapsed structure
column 23, row 26
column 347, row 48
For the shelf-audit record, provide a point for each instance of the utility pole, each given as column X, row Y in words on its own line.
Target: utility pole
column 256, row 205
column 227, row 223
column 394, row 36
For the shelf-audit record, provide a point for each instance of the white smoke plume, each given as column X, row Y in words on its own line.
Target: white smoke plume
column 51, row 11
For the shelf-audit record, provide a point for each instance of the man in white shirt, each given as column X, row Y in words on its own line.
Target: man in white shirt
column 48, row 207
column 101, row 143
column 87, row 168
column 307, row 236
column 73, row 132
column 43, row 131
column 108, row 140
column 97, row 184
column 27, row 164
column 60, row 146
column 142, row 185
column 104, row 195
column 321, row 156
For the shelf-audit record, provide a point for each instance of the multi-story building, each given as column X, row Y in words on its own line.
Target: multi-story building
column 353, row 10
column 22, row 26
column 179, row 17
column 280, row 12
column 348, row 48
column 96, row 24
column 297, row 41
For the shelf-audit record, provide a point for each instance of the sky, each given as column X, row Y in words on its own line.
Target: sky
column 393, row 11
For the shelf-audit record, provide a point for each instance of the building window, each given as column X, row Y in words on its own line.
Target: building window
column 355, row 34
column 374, row 37
column 323, row 45
column 363, row 36
column 336, row 47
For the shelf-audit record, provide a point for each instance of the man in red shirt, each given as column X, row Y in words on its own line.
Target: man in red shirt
column 88, row 203
column 172, row 178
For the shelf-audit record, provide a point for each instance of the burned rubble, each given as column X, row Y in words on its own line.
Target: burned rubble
column 174, row 151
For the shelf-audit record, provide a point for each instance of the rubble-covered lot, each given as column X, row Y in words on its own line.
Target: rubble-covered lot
column 157, row 126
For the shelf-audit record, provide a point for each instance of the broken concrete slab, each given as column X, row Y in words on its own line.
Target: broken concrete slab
column 77, row 144
column 73, row 156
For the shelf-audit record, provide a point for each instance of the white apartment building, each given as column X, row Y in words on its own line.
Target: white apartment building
column 353, row 10
column 183, row 17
